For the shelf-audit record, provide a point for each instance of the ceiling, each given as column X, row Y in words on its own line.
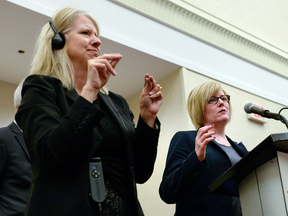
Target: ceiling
column 19, row 29
column 265, row 21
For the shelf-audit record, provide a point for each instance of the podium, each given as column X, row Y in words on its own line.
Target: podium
column 262, row 178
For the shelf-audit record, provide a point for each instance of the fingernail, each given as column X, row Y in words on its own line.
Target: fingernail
column 212, row 125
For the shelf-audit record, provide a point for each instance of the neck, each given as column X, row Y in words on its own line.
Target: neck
column 80, row 81
column 220, row 136
column 220, row 130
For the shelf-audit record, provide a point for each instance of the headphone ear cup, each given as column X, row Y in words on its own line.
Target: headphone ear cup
column 58, row 41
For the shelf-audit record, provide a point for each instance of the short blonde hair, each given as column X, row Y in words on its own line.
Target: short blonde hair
column 56, row 62
column 197, row 100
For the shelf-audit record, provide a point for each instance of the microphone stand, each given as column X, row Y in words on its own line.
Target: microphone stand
column 282, row 118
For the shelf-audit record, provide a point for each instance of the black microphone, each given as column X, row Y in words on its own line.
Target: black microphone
column 251, row 108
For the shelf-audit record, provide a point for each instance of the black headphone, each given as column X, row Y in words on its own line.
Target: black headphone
column 58, row 40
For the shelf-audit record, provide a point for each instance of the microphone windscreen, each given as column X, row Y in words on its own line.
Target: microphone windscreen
column 247, row 107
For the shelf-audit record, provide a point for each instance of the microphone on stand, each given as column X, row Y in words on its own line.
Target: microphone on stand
column 251, row 108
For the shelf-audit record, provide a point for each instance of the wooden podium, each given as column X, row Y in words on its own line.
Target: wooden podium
column 262, row 178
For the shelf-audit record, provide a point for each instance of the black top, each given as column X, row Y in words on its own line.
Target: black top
column 113, row 153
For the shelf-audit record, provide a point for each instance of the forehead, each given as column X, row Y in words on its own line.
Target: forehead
column 83, row 22
column 220, row 92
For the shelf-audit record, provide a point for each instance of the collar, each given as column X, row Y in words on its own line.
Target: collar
column 18, row 126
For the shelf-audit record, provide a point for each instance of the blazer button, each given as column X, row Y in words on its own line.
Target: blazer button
column 76, row 130
column 84, row 121
column 80, row 125
column 88, row 116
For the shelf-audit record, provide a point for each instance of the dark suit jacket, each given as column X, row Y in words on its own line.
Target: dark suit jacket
column 186, row 180
column 62, row 132
column 15, row 171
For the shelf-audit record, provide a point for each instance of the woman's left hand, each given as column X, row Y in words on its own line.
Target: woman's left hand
column 150, row 100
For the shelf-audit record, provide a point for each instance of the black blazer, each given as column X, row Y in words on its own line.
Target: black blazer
column 62, row 132
column 186, row 180
column 15, row 171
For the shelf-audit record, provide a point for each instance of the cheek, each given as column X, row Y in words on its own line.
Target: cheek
column 69, row 52
column 69, row 47
column 207, row 113
column 228, row 107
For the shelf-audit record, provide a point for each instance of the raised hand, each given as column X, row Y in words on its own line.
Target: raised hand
column 99, row 71
column 204, row 136
column 151, row 99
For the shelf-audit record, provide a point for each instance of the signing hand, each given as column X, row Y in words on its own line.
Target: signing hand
column 150, row 100
column 99, row 72
column 204, row 136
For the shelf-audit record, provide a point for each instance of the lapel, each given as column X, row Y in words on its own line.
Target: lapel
column 236, row 146
column 239, row 148
column 73, row 95
column 114, row 112
column 19, row 137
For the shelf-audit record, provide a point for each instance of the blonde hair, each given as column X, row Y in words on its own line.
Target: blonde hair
column 17, row 94
column 197, row 100
column 56, row 62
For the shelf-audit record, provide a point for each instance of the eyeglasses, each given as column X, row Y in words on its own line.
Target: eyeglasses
column 214, row 99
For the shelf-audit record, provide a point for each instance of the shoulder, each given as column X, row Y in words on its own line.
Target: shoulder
column 4, row 130
column 185, row 134
column 5, row 134
column 182, row 139
column 182, row 143
column 12, row 127
column 42, row 83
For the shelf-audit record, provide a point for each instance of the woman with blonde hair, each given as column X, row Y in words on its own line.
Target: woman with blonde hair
column 86, row 153
column 197, row 158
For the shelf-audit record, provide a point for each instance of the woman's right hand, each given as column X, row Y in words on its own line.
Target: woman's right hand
column 204, row 136
column 98, row 74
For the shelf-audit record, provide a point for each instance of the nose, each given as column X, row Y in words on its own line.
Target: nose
column 220, row 102
column 96, row 41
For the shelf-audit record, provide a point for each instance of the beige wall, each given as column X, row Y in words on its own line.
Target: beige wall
column 174, row 117
column 6, row 103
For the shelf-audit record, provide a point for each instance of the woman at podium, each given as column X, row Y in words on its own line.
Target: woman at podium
column 197, row 158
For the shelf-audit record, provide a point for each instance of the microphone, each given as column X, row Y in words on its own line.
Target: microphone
column 251, row 108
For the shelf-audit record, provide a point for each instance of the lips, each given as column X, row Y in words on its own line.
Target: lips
column 94, row 50
column 222, row 110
